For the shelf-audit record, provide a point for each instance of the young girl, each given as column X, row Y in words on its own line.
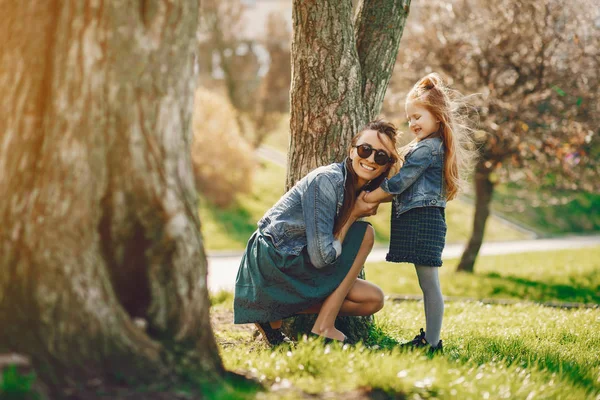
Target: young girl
column 428, row 178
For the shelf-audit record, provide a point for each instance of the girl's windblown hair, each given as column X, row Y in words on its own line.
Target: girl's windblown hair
column 451, row 109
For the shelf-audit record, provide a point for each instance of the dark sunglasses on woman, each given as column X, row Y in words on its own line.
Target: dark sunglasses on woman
column 381, row 157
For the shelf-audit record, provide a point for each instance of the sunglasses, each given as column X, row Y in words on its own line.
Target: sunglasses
column 381, row 157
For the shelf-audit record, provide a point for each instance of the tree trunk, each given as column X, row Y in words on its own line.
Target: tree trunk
column 484, row 189
column 326, row 98
column 99, row 221
column 339, row 78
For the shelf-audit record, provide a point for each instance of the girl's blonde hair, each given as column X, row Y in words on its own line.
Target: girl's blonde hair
column 450, row 108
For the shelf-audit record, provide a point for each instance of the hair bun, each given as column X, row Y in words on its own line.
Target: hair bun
column 430, row 81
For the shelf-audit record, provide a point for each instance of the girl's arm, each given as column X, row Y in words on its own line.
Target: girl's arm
column 415, row 165
column 378, row 196
column 361, row 209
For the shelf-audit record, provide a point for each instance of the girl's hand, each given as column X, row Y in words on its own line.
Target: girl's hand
column 362, row 208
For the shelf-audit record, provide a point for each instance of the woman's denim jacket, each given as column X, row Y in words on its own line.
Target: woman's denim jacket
column 420, row 181
column 305, row 215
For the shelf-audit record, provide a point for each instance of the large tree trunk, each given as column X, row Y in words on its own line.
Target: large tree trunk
column 339, row 78
column 98, row 206
column 484, row 190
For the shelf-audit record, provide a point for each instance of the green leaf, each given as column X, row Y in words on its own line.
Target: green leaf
column 558, row 90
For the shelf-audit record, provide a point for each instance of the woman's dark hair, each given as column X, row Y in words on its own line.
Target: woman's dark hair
column 351, row 191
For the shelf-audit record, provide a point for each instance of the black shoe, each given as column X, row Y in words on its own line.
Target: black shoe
column 273, row 336
column 417, row 342
column 436, row 349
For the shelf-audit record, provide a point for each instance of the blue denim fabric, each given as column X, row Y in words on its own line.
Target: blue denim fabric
column 305, row 215
column 420, row 181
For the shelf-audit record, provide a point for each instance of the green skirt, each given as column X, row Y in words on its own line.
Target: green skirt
column 271, row 285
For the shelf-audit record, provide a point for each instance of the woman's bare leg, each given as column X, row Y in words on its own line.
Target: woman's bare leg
column 324, row 325
column 364, row 298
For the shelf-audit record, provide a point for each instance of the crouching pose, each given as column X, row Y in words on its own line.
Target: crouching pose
column 309, row 248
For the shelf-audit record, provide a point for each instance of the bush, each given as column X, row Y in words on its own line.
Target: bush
column 222, row 158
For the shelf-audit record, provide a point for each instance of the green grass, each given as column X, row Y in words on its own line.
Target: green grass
column 565, row 275
column 549, row 213
column 16, row 386
column 514, row 352
column 230, row 229
column 519, row 351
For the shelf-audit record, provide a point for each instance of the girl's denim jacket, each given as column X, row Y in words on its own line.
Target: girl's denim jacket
column 305, row 215
column 420, row 181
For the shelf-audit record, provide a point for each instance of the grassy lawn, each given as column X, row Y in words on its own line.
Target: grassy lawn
column 512, row 352
column 519, row 351
column 231, row 228
column 564, row 275
column 549, row 213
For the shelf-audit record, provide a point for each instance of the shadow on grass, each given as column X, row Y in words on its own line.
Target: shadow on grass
column 232, row 387
column 583, row 288
column 378, row 337
column 514, row 351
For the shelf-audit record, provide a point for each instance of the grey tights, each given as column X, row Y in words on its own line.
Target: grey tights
column 434, row 302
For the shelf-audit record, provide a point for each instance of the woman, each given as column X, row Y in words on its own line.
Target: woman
column 309, row 248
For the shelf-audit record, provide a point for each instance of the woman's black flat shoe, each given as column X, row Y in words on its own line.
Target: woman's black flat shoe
column 273, row 336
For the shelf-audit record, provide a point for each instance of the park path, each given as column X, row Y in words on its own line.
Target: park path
column 223, row 266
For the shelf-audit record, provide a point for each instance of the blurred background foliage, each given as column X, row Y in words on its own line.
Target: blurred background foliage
column 531, row 70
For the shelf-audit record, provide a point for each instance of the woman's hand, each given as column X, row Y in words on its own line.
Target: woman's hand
column 362, row 208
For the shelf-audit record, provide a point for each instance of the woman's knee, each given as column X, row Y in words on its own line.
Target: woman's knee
column 377, row 299
column 369, row 238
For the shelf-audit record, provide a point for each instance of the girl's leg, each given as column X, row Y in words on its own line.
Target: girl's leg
column 324, row 325
column 433, row 300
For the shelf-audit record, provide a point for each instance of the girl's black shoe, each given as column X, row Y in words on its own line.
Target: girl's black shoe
column 436, row 349
column 420, row 342
column 273, row 336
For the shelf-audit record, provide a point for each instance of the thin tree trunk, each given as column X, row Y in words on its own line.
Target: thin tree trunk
column 379, row 27
column 99, row 220
column 484, row 190
column 339, row 78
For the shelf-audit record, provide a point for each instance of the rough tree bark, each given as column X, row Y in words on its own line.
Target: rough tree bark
column 340, row 71
column 484, row 190
column 98, row 206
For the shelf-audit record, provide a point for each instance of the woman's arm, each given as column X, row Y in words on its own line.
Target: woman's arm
column 361, row 209
column 319, row 206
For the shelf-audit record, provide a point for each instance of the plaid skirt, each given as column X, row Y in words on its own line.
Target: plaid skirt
column 418, row 236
